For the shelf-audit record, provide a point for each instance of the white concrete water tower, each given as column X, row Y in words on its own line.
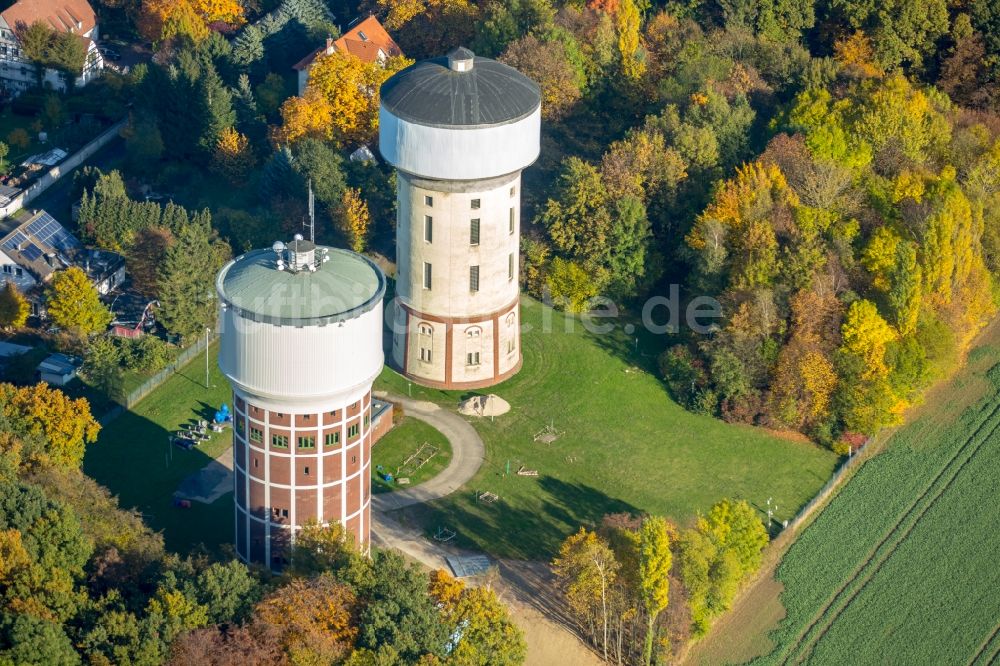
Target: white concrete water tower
column 459, row 130
column 301, row 344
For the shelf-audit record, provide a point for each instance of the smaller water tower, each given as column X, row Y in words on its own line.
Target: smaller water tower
column 301, row 338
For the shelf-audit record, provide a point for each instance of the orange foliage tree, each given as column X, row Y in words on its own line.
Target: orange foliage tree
column 316, row 618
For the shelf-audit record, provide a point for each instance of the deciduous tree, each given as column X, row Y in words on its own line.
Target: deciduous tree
column 66, row 424
column 73, row 303
column 14, row 308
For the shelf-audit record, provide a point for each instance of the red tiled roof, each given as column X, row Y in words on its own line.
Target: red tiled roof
column 76, row 16
column 374, row 39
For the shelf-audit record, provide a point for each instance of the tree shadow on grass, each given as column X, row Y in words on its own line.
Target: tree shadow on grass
column 529, row 533
column 135, row 460
column 522, row 533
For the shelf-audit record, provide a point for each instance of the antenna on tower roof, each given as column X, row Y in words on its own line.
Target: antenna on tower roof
column 312, row 213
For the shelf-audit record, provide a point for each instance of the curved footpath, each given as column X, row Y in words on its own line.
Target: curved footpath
column 520, row 585
column 467, row 454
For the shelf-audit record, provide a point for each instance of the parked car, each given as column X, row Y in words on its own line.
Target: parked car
column 109, row 53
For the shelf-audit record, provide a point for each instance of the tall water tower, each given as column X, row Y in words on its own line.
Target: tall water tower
column 301, row 344
column 459, row 130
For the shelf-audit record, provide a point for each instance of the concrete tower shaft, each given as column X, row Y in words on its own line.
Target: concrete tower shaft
column 459, row 130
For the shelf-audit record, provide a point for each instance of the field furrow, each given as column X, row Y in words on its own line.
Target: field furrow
column 883, row 550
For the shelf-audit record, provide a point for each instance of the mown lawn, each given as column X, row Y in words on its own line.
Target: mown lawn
column 901, row 566
column 405, row 439
column 133, row 458
column 623, row 445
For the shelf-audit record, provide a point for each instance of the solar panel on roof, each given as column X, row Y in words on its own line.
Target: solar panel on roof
column 48, row 232
column 31, row 252
column 15, row 241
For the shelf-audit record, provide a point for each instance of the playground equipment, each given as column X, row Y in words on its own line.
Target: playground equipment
column 417, row 459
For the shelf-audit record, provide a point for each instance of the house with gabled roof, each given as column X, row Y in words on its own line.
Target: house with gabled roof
column 365, row 39
column 33, row 248
column 76, row 17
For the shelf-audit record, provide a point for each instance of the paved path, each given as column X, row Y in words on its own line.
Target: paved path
column 520, row 585
column 467, row 454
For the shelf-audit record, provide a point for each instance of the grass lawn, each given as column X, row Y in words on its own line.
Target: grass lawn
column 132, row 457
column 404, row 440
column 624, row 445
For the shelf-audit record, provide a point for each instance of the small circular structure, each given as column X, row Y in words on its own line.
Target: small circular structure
column 459, row 129
column 301, row 345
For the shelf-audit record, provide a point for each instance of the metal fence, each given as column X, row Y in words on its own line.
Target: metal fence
column 853, row 461
column 153, row 382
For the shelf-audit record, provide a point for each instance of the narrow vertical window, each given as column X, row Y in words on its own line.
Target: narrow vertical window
column 428, row 200
column 510, row 266
column 510, row 223
column 427, row 275
column 428, row 229
column 474, row 232
column 473, row 278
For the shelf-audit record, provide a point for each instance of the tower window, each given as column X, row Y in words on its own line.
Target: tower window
column 473, row 278
column 472, row 358
column 307, row 442
column 306, row 470
column 510, row 223
column 510, row 266
column 474, row 232
column 513, row 190
column 256, row 435
column 353, row 431
column 428, row 229
column 332, row 438
column 427, row 275
column 475, row 204
column 279, row 441
column 428, row 200
column 425, row 354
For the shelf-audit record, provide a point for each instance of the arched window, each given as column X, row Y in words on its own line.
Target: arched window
column 426, row 342
column 473, row 345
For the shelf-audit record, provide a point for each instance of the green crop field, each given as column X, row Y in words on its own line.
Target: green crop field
column 622, row 445
column 901, row 567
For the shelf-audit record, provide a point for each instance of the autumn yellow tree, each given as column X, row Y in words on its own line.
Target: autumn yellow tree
column 354, row 218
column 66, row 425
column 233, row 157
column 73, row 303
column 587, row 567
column 629, row 23
column 14, row 308
column 856, row 55
column 866, row 335
column 488, row 635
column 161, row 20
column 655, row 560
column 341, row 100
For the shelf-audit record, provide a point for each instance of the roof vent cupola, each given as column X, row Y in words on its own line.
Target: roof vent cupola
column 461, row 59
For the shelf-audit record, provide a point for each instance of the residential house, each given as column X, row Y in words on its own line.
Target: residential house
column 366, row 39
column 33, row 249
column 59, row 369
column 77, row 17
